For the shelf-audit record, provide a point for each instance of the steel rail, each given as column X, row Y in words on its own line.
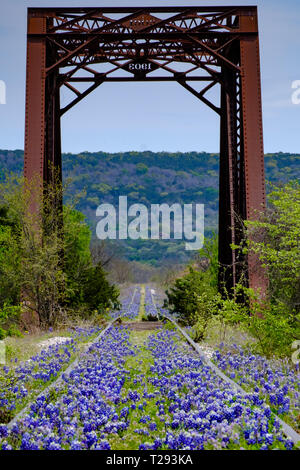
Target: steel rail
column 67, row 372
column 287, row 429
column 60, row 379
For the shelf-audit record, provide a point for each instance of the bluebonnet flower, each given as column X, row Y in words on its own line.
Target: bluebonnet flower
column 195, row 409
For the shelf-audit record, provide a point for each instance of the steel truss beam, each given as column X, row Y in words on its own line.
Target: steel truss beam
column 217, row 45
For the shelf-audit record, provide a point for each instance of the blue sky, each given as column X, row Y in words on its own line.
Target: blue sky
column 160, row 116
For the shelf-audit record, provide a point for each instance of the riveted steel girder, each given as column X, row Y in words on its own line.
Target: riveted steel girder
column 188, row 45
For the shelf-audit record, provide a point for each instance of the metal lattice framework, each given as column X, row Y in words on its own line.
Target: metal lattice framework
column 79, row 49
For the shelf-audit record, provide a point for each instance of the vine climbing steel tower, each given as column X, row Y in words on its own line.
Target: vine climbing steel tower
column 79, row 49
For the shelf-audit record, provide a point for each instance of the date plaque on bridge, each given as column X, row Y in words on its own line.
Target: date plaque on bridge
column 141, row 67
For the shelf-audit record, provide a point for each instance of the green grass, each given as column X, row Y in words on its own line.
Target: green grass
column 142, row 313
column 217, row 333
column 139, row 371
column 139, row 368
column 26, row 347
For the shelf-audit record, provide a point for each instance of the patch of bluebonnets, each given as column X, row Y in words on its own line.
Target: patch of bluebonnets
column 180, row 402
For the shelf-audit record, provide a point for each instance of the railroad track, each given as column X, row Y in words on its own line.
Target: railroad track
column 145, row 325
column 287, row 429
column 66, row 373
column 150, row 326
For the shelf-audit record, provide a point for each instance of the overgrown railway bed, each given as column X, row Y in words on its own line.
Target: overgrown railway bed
column 145, row 326
column 135, row 388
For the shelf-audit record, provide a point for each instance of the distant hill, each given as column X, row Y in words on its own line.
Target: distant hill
column 151, row 178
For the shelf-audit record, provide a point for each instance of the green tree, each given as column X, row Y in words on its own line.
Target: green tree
column 77, row 256
column 98, row 293
column 209, row 252
column 141, row 168
column 45, row 263
column 185, row 296
column 275, row 238
column 86, row 283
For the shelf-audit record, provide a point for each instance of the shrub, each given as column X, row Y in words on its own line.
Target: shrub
column 275, row 238
column 3, row 333
column 273, row 327
column 13, row 330
column 43, row 261
column 9, row 314
column 98, row 293
column 194, row 300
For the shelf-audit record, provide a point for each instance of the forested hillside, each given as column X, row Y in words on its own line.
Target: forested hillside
column 150, row 178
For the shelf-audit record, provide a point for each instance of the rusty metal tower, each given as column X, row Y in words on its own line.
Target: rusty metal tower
column 193, row 46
